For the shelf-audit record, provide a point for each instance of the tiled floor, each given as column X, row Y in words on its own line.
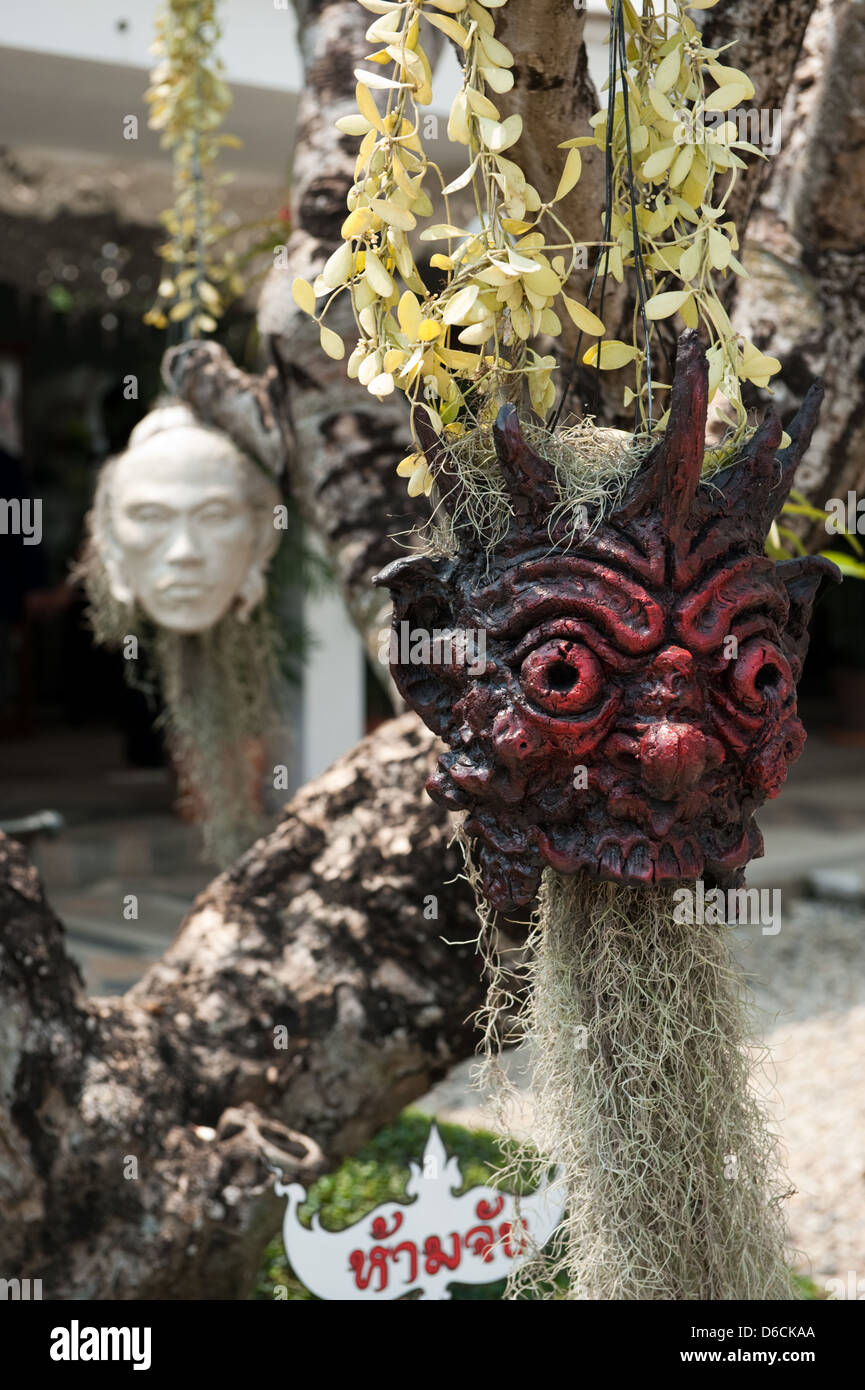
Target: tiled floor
column 121, row 838
column 113, row 947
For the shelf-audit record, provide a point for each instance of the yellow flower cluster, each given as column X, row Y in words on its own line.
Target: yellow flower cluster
column 445, row 347
column 686, row 241
column 188, row 99
column 450, row 346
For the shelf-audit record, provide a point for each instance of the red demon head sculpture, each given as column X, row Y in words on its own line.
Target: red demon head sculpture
column 630, row 697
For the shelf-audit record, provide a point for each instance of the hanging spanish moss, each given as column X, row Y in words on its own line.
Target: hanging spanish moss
column 219, row 712
column 593, row 467
column 643, row 1048
column 219, row 717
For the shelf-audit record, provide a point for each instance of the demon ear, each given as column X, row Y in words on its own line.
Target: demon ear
column 760, row 480
column 425, row 652
column 802, row 578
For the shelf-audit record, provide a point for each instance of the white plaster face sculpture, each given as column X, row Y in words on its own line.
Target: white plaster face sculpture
column 185, row 525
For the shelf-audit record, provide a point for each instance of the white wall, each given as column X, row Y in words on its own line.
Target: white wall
column 258, row 48
column 333, row 703
column 259, row 45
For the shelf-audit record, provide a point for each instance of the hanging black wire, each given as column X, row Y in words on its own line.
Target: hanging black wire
column 618, row 61
column 639, row 264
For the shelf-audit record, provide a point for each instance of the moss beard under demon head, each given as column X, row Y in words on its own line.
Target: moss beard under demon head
column 614, row 727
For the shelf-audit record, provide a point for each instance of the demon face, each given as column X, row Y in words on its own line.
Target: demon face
column 637, row 698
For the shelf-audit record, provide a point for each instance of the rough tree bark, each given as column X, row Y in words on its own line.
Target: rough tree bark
column 554, row 94
column 135, row 1132
column 767, row 37
column 320, row 926
column 344, row 444
column 806, row 300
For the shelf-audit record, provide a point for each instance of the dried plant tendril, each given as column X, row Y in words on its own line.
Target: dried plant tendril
column 457, row 350
column 684, row 170
column 504, row 284
column 218, row 705
column 188, row 99
column 593, row 469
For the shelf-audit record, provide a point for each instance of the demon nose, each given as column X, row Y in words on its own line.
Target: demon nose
column 672, row 759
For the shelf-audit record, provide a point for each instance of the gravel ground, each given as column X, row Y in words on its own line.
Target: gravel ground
column 809, row 981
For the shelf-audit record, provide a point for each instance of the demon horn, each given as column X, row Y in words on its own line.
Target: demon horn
column 530, row 479
column 670, row 476
column 764, row 474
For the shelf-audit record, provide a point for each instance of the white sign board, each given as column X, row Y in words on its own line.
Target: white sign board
column 431, row 1242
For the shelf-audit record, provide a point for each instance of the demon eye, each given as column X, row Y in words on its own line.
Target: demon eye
column 761, row 676
column 562, row 677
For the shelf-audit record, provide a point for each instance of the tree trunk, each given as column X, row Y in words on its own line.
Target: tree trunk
column 806, row 300
column 344, row 444
column 767, row 37
column 308, row 997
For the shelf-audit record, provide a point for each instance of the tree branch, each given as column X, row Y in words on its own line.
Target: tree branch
column 136, row 1130
column 805, row 301
column 766, row 38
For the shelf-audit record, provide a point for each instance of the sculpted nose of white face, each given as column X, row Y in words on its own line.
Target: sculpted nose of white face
column 184, row 548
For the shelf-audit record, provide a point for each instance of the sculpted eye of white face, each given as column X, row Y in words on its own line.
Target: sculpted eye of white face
column 185, row 535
